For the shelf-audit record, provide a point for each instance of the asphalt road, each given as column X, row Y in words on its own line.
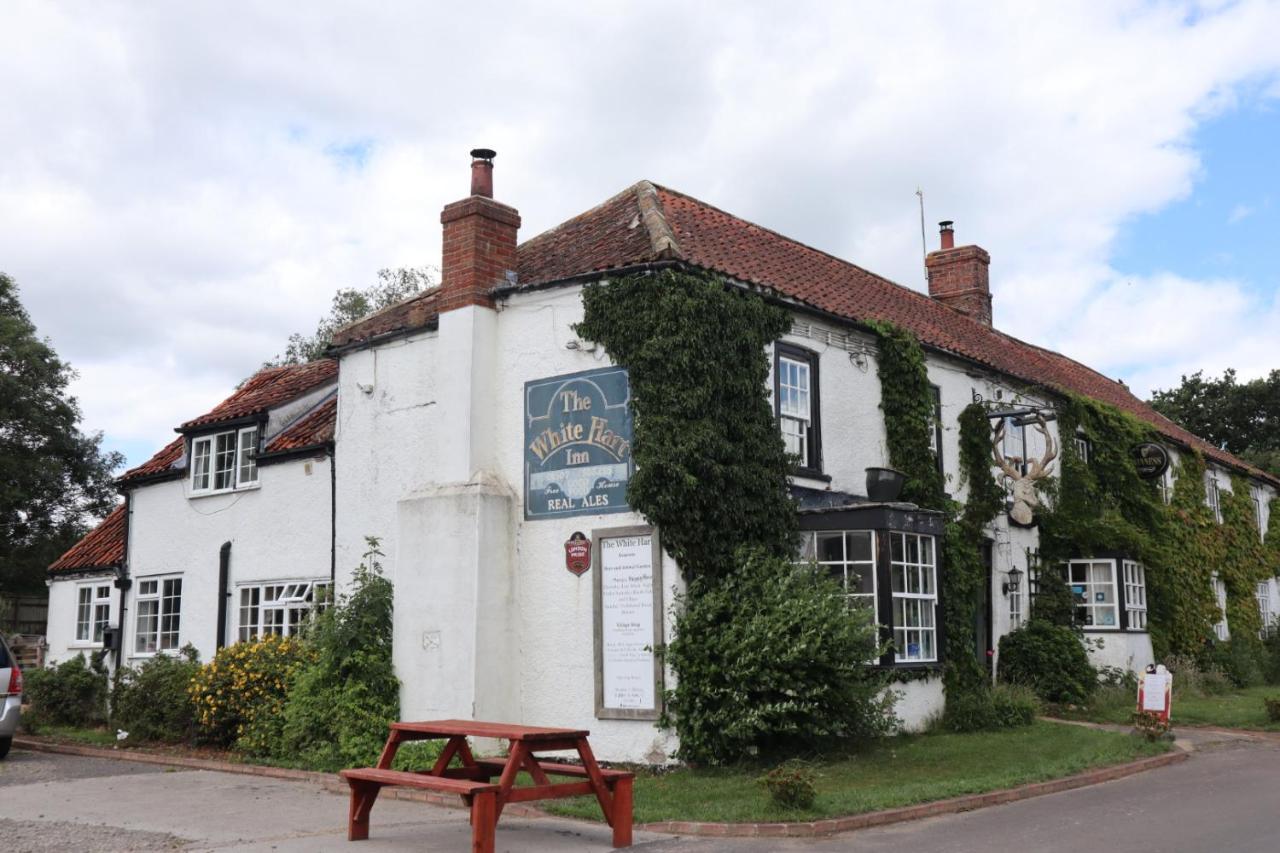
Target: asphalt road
column 1226, row 798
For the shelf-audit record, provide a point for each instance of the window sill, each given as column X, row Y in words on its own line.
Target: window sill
column 209, row 493
column 80, row 644
column 810, row 474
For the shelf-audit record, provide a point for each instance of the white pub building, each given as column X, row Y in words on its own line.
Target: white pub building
column 488, row 448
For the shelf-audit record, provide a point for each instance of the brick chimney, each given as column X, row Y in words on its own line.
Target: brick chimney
column 958, row 277
column 479, row 250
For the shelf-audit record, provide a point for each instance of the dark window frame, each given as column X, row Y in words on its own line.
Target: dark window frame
column 812, row 466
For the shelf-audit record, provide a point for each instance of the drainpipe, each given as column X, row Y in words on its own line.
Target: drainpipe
column 123, row 582
column 224, row 592
column 333, row 522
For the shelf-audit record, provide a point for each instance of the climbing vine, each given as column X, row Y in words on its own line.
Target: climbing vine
column 711, row 468
column 907, row 401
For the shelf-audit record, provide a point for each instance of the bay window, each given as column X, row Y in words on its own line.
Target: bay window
column 159, row 615
column 913, row 576
column 848, row 556
column 93, row 612
column 224, row 461
column 795, row 385
column 1093, row 589
column 1135, row 595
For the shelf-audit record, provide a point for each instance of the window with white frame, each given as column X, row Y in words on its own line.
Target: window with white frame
column 1166, row 485
column 935, row 429
column 796, row 384
column 1014, row 444
column 224, row 461
column 1015, row 609
column 913, row 581
column 93, row 611
column 1220, row 629
column 1265, row 613
column 1082, row 447
column 1259, row 514
column 849, row 557
column 279, row 608
column 1093, row 589
column 159, row 618
column 1212, row 496
column 1135, row 594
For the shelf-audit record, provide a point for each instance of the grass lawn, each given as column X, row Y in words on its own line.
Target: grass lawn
column 898, row 771
column 77, row 734
column 1239, row 709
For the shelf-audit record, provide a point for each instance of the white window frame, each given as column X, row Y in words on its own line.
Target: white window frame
column 1220, row 628
column 230, row 455
column 1166, row 485
column 1213, row 496
column 1096, row 611
column 795, row 405
column 1265, row 614
column 1259, row 514
column 1082, row 447
column 157, row 615
column 843, row 568
column 281, row 608
column 1135, row 594
column 93, row 611
column 915, row 604
column 1015, row 608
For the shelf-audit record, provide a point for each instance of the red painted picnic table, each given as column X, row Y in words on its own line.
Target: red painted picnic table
column 473, row 779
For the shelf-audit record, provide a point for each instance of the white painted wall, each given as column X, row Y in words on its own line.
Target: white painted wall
column 61, row 631
column 918, row 702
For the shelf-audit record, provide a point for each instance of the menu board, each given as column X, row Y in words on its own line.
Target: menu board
column 627, row 607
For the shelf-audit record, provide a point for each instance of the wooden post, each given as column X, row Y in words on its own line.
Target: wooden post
column 484, row 821
column 622, row 813
column 363, row 795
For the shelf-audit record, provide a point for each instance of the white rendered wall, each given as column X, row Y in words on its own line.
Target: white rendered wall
column 60, row 633
column 918, row 702
column 278, row 531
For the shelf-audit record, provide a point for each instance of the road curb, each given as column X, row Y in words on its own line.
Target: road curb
column 970, row 802
column 332, row 783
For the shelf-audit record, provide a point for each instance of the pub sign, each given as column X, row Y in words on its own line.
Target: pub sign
column 577, row 444
column 1150, row 459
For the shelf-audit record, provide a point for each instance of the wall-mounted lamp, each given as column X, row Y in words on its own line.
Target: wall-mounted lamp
column 1014, row 581
column 858, row 358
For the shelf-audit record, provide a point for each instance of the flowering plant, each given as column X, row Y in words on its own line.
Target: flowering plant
column 243, row 687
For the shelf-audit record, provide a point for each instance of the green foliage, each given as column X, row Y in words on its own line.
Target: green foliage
column 341, row 703
column 792, row 785
column 711, row 467
column 1007, row 706
column 1271, row 654
column 71, row 693
column 1272, row 704
column 54, row 476
column 1049, row 659
column 351, row 304
column 238, row 694
column 1181, row 605
column 906, row 399
column 1243, row 418
column 1053, row 602
column 151, row 701
column 772, row 662
column 1150, row 725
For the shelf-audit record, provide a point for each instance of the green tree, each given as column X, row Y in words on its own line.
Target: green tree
column 1242, row 417
column 351, row 304
column 54, row 478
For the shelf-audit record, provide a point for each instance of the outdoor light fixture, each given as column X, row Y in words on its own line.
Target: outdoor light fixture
column 1015, row 579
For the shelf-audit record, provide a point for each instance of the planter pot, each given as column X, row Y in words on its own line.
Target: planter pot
column 884, row 485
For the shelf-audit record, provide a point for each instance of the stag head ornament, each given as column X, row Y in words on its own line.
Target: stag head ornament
column 1024, row 478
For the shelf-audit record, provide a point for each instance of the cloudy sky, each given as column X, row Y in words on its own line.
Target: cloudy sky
column 183, row 185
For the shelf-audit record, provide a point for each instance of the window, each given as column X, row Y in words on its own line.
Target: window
column 1014, row 444
column 226, row 461
column 279, row 608
column 1082, row 447
column 1015, row 609
column 1166, row 485
column 159, row 607
column 1093, row 587
column 93, row 612
column 935, row 437
column 1220, row 594
column 1212, row 496
column 1263, row 594
column 796, row 391
column 1135, row 595
column 1259, row 511
column 913, row 581
column 849, row 557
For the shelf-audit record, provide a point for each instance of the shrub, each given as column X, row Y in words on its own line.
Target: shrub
column 1272, row 704
column 770, row 660
column 1118, row 676
column 1271, row 656
column 337, row 712
column 1191, row 679
column 242, row 686
column 792, row 785
column 1049, row 659
column 1007, row 706
column 1150, row 725
column 152, row 700
column 72, row 693
column 1240, row 659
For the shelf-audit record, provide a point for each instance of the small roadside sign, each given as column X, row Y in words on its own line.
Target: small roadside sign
column 1155, row 692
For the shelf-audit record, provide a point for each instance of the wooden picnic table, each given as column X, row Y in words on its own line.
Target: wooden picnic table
column 473, row 779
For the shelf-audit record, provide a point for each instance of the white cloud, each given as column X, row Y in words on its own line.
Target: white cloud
column 183, row 186
column 1238, row 213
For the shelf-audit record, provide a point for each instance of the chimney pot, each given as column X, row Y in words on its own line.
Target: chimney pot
column 482, row 171
column 948, row 234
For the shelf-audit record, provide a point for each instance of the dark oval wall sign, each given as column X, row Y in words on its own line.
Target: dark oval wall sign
column 1150, row 459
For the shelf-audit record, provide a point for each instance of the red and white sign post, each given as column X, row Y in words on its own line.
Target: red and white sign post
column 1155, row 692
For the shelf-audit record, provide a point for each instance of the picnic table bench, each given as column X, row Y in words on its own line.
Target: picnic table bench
column 473, row 780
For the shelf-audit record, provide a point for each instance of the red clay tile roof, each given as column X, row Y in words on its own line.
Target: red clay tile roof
column 268, row 388
column 101, row 548
column 647, row 223
column 311, row 430
column 413, row 313
column 161, row 463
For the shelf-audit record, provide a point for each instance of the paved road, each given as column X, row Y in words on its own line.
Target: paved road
column 1226, row 798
